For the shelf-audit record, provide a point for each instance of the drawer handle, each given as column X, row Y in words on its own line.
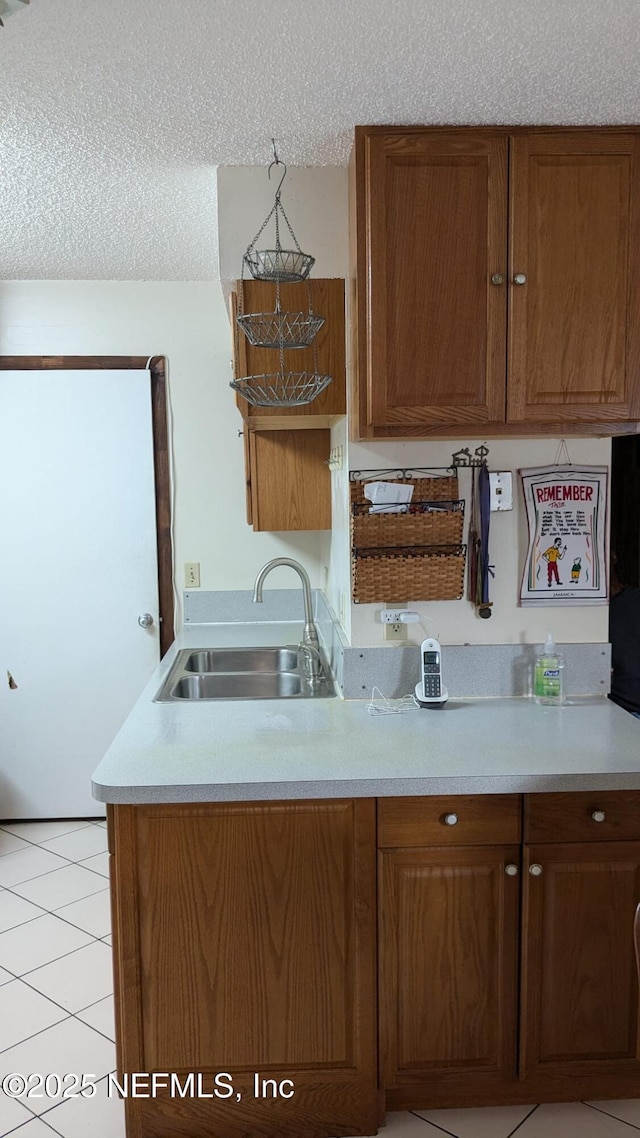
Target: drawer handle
column 511, row 870
column 450, row 819
column 535, row 870
column 598, row 815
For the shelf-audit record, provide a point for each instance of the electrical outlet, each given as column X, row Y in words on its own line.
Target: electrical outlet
column 398, row 616
column 192, row 574
column 395, row 631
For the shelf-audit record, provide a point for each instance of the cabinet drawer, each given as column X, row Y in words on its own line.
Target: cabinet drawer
column 609, row 815
column 438, row 820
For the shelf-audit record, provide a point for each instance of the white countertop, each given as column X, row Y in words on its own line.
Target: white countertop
column 211, row 751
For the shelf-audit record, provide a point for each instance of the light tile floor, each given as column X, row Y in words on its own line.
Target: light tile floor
column 56, row 1003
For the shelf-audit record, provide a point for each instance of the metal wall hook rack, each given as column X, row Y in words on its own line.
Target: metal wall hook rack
column 403, row 473
column 464, row 457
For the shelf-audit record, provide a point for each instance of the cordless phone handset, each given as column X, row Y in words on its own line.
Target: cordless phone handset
column 430, row 689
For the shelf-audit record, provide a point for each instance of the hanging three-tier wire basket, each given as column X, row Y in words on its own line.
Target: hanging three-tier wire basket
column 280, row 329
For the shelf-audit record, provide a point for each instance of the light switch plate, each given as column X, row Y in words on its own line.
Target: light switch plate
column 501, row 486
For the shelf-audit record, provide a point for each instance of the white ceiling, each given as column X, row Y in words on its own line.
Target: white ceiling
column 114, row 113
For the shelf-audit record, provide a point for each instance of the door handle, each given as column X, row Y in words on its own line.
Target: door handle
column 145, row 620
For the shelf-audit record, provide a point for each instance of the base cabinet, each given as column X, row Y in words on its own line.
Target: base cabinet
column 478, row 939
column 449, row 971
column 245, row 948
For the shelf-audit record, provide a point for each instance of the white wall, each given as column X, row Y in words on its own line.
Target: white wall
column 314, row 199
column 187, row 322
column 456, row 621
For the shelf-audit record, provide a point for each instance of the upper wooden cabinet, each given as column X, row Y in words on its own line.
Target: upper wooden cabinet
column 328, row 301
column 498, row 280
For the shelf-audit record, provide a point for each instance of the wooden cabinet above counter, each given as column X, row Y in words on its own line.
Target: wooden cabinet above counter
column 288, row 485
column 497, row 275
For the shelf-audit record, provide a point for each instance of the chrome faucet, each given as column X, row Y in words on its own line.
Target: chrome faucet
column 310, row 645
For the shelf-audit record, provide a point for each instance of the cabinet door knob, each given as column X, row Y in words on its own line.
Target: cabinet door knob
column 520, row 279
column 535, row 870
column 598, row 815
column 497, row 279
column 511, row 870
column 450, row 819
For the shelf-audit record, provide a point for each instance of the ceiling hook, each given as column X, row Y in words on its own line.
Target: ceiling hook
column 277, row 162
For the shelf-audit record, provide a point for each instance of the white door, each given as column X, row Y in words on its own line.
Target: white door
column 78, row 565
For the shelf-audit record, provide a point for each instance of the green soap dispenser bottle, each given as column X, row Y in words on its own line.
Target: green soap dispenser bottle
column 548, row 680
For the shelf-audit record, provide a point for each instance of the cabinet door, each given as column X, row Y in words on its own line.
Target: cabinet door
column 448, row 973
column 579, row 985
column 574, row 324
column 245, row 943
column 288, row 480
column 432, row 232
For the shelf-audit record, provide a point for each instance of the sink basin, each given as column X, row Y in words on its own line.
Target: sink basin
column 242, row 673
column 239, row 685
column 243, row 660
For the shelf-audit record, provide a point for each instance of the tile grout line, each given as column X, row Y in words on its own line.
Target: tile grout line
column 435, row 1124
column 523, row 1120
column 67, row 1014
column 606, row 1113
column 37, row 876
column 38, row 845
column 54, row 959
column 54, row 913
column 102, row 1079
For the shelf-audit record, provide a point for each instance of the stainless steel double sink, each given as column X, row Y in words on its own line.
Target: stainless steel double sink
column 243, row 673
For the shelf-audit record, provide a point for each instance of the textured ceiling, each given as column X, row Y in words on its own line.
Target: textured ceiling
column 114, row 113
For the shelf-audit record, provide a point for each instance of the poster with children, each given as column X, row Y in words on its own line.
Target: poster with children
column 566, row 512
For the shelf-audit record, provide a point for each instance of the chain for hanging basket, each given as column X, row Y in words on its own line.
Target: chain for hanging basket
column 278, row 264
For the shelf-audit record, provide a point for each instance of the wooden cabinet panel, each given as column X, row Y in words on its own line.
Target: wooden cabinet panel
column 575, row 235
column 328, row 301
column 488, row 819
column 448, row 971
column 579, row 985
column 431, row 233
column 440, row 347
column 245, row 943
column 451, row 919
column 288, row 479
column 569, row 817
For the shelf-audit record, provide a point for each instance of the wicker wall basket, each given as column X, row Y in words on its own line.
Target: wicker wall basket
column 427, row 523
column 424, row 489
column 416, row 573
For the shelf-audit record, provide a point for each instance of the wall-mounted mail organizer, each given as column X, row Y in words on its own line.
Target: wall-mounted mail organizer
column 415, row 555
